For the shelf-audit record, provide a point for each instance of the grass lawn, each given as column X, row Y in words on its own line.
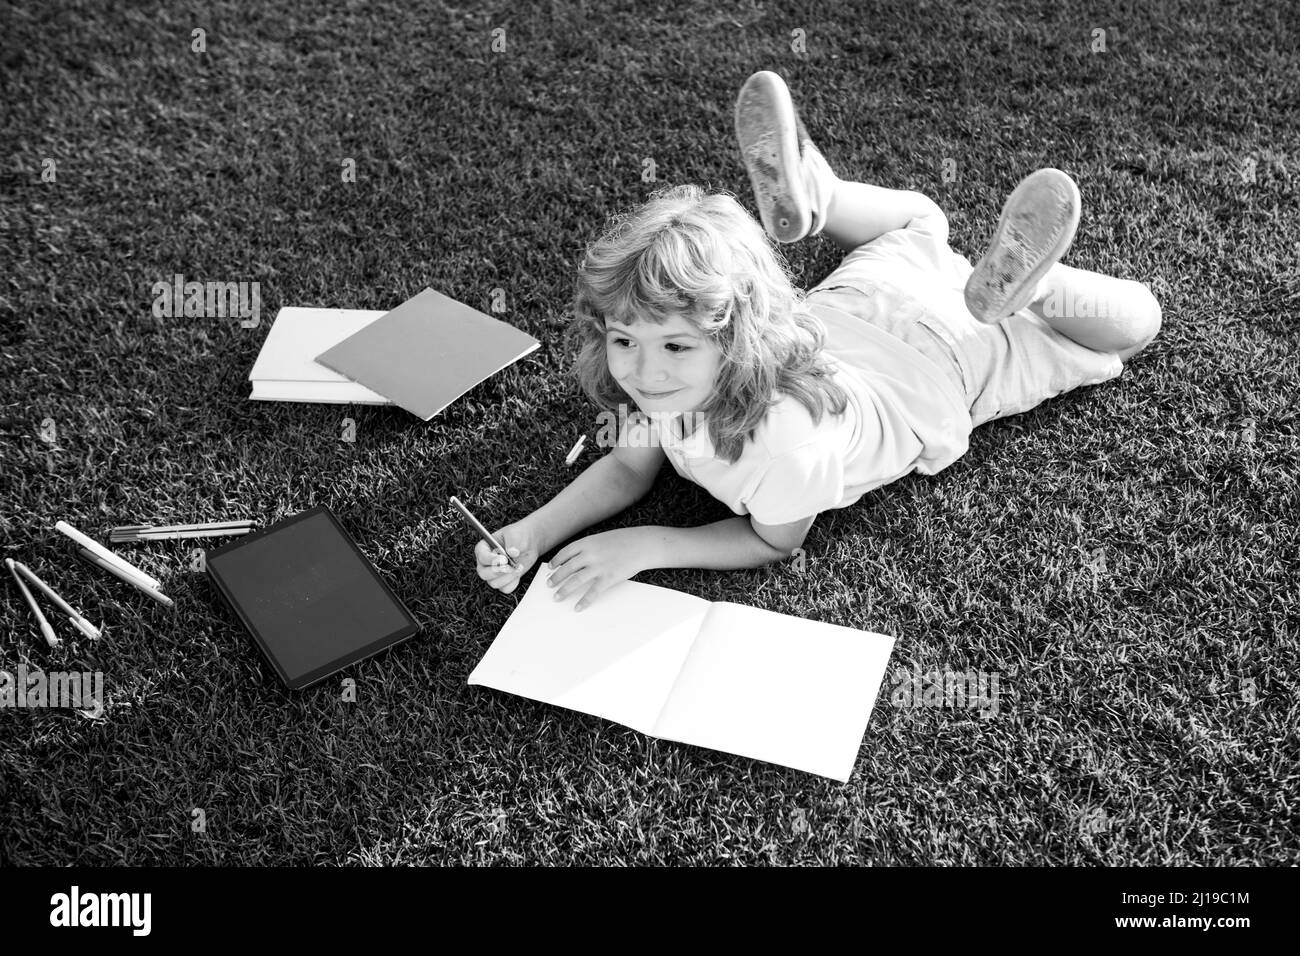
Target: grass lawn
column 1123, row 558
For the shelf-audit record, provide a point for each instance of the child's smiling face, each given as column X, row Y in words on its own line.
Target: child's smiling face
column 665, row 367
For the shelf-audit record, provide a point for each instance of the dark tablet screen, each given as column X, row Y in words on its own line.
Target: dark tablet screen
column 314, row 603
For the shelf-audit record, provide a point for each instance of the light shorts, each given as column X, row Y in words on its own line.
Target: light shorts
column 1002, row 368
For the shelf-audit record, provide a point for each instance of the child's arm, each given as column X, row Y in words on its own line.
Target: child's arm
column 739, row 542
column 608, row 486
column 597, row 562
column 613, row 483
column 862, row 213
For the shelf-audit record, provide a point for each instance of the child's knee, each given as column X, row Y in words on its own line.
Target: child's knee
column 1149, row 314
column 932, row 209
column 1143, row 319
column 935, row 219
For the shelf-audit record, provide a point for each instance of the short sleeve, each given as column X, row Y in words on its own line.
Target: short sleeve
column 798, row 484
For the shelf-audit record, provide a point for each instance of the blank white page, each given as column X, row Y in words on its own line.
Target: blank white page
column 616, row 658
column 781, row 689
column 298, row 335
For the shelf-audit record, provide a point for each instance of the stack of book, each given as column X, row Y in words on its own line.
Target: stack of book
column 423, row 355
column 286, row 369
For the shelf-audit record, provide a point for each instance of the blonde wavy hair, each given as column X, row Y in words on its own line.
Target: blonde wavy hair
column 702, row 256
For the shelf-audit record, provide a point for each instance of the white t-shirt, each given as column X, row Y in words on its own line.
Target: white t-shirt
column 903, row 415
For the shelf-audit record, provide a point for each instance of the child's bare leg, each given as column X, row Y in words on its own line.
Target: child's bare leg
column 857, row 213
column 1098, row 311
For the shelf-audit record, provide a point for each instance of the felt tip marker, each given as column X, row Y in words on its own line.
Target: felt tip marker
column 76, row 617
column 130, row 579
column 46, row 631
column 97, row 549
column 575, row 451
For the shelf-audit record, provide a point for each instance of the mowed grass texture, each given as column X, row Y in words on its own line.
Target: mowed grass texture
column 1122, row 558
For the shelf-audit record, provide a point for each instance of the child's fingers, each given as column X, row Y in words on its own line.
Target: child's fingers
column 590, row 597
column 483, row 554
column 487, row 556
column 504, row 582
column 575, row 582
column 491, row 569
column 563, row 570
column 522, row 561
column 565, row 555
column 494, row 573
column 497, row 566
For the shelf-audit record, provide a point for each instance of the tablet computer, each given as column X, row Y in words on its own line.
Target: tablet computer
column 311, row 600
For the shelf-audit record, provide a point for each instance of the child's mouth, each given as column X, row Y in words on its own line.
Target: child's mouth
column 658, row 394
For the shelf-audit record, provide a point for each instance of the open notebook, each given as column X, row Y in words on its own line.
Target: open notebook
column 724, row 676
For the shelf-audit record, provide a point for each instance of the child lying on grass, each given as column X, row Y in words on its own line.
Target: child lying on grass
column 784, row 404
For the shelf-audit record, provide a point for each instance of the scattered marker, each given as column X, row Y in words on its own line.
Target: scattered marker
column 46, row 630
column 575, row 451
column 76, row 617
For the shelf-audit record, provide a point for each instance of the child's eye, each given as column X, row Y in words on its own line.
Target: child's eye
column 674, row 347
column 621, row 342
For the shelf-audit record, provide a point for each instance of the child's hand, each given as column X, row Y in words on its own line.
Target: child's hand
column 594, row 564
column 522, row 542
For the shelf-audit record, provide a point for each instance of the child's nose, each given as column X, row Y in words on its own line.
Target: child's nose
column 647, row 369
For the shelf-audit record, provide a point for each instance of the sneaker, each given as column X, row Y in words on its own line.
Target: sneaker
column 792, row 180
column 1036, row 227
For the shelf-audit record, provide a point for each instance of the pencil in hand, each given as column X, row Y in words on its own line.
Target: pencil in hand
column 483, row 532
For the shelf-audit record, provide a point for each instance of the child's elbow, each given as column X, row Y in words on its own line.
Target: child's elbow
column 784, row 540
column 784, row 552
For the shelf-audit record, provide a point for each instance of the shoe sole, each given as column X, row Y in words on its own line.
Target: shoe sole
column 1037, row 225
column 769, row 147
